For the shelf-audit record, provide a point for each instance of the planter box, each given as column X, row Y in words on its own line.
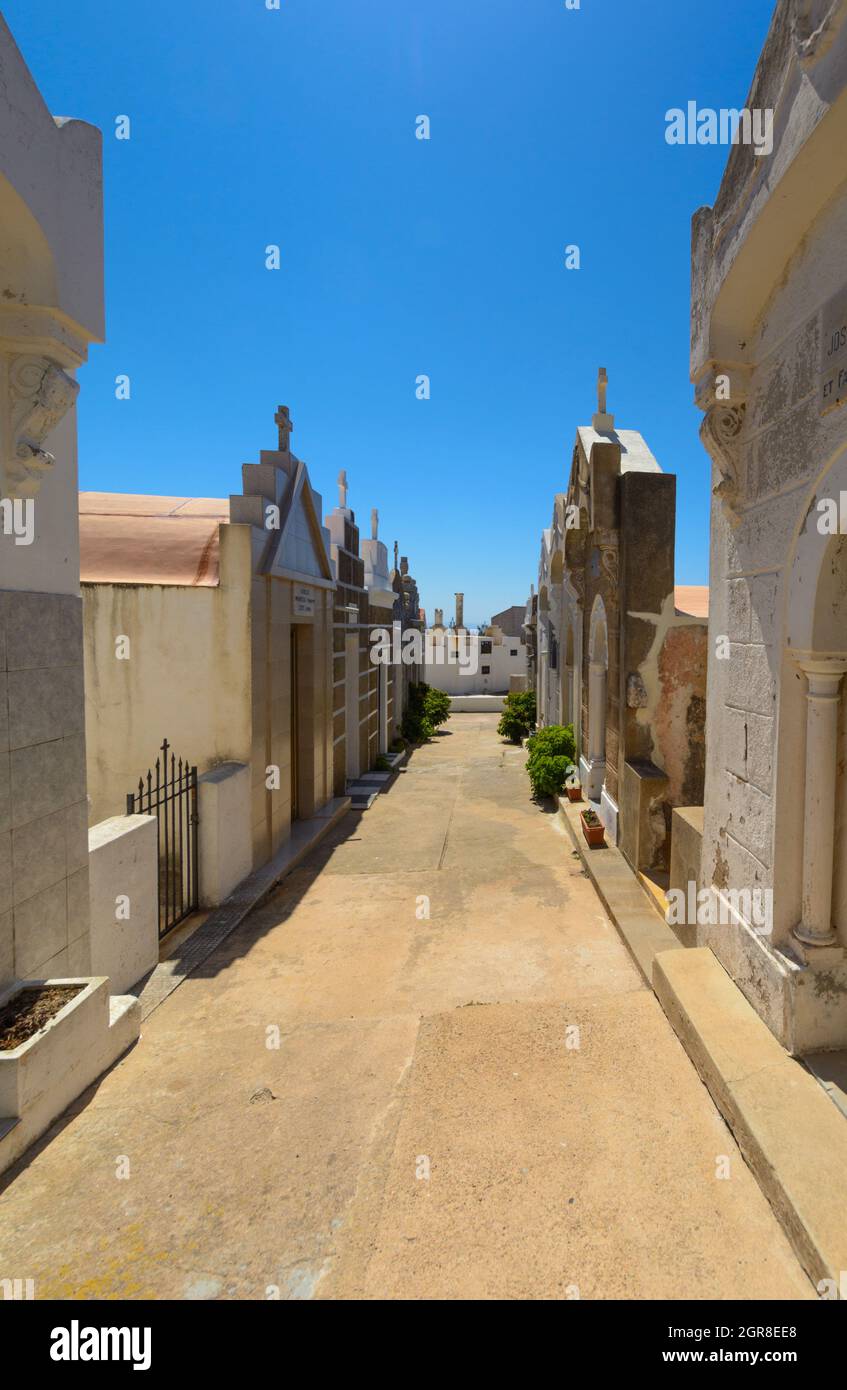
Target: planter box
column 574, row 793
column 594, row 834
column 42, row 1076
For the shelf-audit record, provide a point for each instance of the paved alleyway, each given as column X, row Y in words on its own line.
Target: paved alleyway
column 406, row 1042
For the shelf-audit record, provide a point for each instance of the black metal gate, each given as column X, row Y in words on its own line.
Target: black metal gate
column 171, row 796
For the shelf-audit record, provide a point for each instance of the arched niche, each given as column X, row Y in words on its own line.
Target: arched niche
column 594, row 765
column 810, row 747
column 598, row 643
column 28, row 275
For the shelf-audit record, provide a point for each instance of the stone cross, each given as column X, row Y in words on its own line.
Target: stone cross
column 374, row 525
column 602, row 383
column 342, row 488
column 282, row 420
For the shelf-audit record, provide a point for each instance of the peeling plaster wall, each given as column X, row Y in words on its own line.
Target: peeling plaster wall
column 674, row 715
column 681, row 714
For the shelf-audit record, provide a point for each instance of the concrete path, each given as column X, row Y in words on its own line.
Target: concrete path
column 473, row 1095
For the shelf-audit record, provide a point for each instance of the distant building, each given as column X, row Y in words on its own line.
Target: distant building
column 460, row 662
column 511, row 620
column 368, row 697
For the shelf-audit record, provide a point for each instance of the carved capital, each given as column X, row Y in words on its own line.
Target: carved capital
column 722, row 393
column 720, row 432
column 40, row 394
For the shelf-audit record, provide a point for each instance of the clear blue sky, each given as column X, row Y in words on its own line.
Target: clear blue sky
column 399, row 256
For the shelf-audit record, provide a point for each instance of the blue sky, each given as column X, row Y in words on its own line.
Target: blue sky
column 399, row 257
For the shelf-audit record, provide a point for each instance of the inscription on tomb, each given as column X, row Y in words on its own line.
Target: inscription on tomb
column 304, row 601
column 833, row 375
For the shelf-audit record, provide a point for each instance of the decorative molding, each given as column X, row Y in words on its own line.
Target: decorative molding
column 720, row 432
column 721, row 392
column 40, row 395
column 609, row 562
column 576, row 579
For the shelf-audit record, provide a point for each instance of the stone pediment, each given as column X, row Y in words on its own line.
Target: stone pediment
column 300, row 546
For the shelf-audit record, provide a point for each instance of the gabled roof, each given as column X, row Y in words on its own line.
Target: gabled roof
column 129, row 538
column 299, row 547
column 636, row 456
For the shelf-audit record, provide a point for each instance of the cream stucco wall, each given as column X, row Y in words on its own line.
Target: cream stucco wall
column 188, row 677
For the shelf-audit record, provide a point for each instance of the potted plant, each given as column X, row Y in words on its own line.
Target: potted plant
column 574, row 791
column 592, row 827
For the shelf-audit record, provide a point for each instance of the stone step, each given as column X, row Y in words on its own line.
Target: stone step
column 361, row 795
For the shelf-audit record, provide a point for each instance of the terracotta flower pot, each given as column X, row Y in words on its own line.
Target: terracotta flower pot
column 594, row 834
column 574, row 793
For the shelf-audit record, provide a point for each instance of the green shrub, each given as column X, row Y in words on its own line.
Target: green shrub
column 518, row 717
column 415, row 728
column 427, row 708
column 436, row 706
column 423, row 712
column 552, row 755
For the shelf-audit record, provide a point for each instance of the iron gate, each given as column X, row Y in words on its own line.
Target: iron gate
column 171, row 796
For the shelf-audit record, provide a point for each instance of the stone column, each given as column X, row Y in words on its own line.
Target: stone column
column 597, row 712
column 823, row 697
column 567, row 716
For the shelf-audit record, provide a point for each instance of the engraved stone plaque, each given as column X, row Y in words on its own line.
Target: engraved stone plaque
column 303, row 601
column 833, row 374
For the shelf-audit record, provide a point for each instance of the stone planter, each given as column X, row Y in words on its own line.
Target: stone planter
column 40, row 1077
column 594, row 834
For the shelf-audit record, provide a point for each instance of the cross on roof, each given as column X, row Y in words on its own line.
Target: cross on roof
column 602, row 422
column 282, row 419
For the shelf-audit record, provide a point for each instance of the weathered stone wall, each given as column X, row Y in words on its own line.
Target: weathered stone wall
column 768, row 287
column 51, row 265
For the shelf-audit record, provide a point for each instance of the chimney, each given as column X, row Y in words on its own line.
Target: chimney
column 460, row 611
